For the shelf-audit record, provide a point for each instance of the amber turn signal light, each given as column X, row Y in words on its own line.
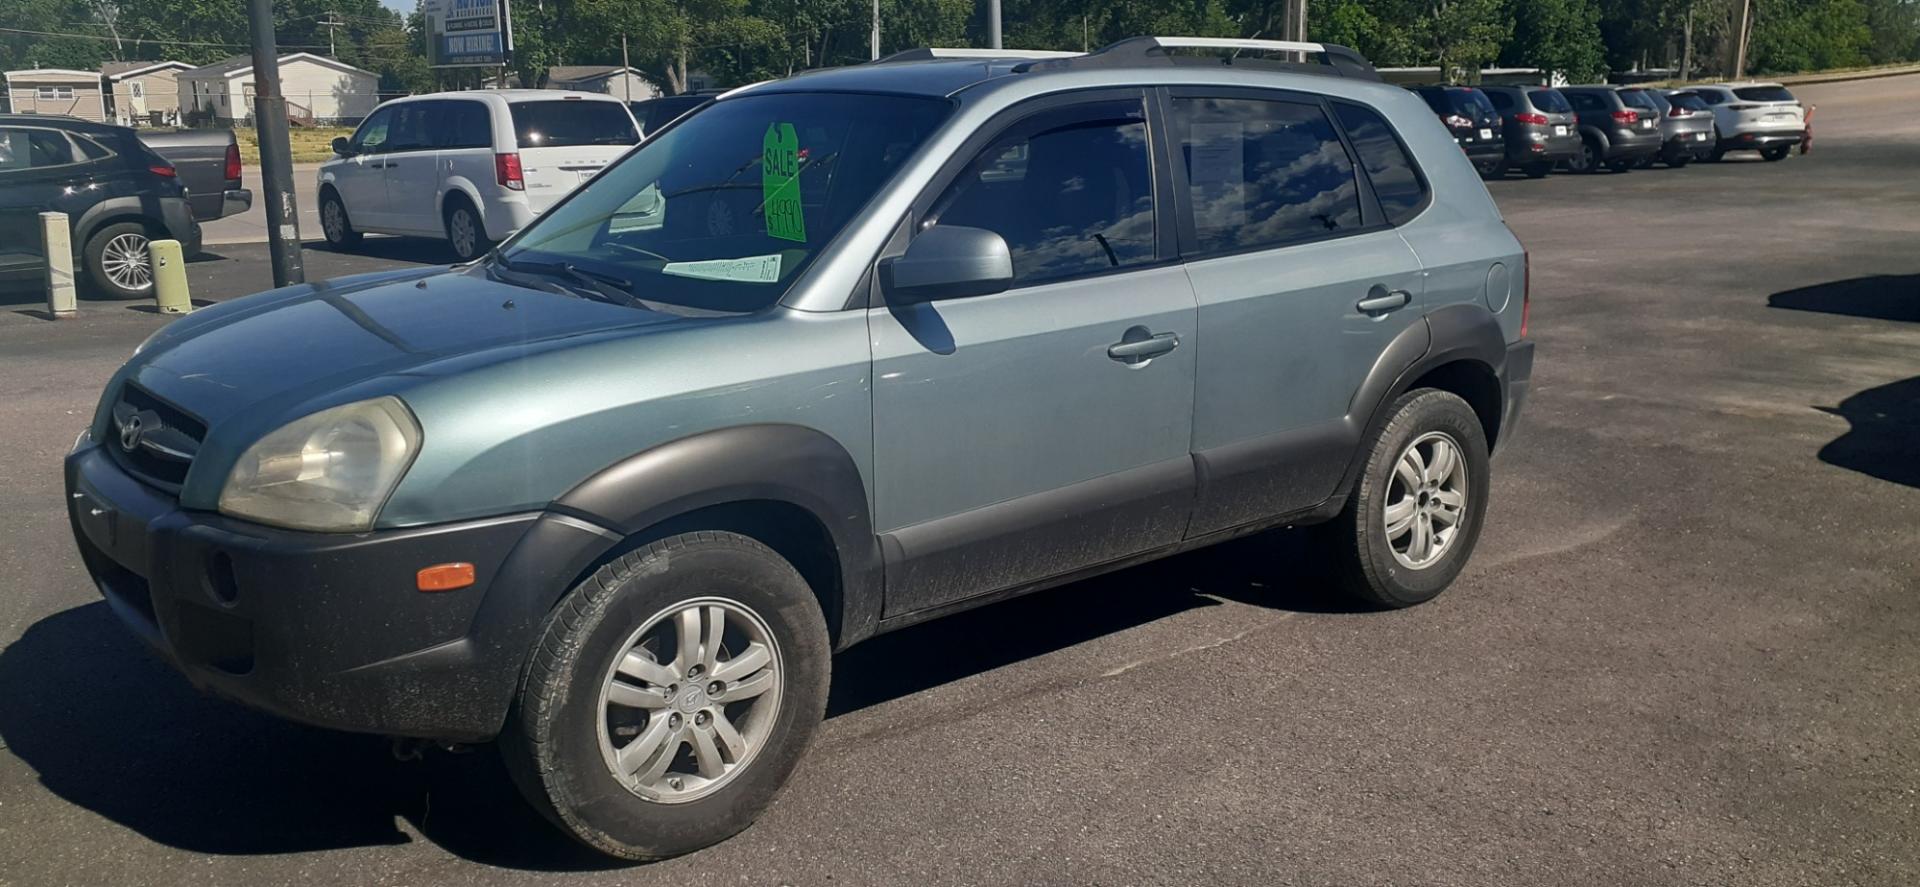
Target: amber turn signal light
column 445, row 577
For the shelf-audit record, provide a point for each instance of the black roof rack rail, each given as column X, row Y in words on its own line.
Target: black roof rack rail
column 929, row 53
column 1325, row 58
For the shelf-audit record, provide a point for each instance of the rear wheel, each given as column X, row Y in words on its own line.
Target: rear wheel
column 117, row 261
column 1778, row 152
column 465, row 233
column 1621, row 165
column 1588, row 160
column 1494, row 171
column 1679, row 159
column 1646, row 162
column 334, row 224
column 1414, row 516
column 1537, row 170
column 670, row 696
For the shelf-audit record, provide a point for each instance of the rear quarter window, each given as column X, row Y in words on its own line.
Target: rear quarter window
column 559, row 123
column 1397, row 183
column 1549, row 101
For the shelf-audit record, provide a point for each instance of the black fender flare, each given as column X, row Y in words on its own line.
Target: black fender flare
column 129, row 208
column 1598, row 135
column 1461, row 331
column 790, row 464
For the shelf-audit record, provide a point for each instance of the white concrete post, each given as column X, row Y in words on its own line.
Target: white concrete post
column 57, row 245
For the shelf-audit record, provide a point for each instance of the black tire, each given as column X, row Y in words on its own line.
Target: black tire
column 341, row 236
column 470, row 242
column 1679, row 159
column 1494, row 171
column 1776, row 153
column 1365, row 563
column 1589, row 159
column 1718, row 154
column 1537, row 170
column 1646, row 162
column 118, row 238
column 1621, row 165
column 553, row 740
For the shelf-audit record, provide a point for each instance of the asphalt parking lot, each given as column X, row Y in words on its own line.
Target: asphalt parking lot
column 1687, row 651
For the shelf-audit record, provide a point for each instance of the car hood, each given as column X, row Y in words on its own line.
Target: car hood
column 266, row 355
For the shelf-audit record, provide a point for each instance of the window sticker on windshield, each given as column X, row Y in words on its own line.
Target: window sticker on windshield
column 753, row 269
column 780, row 183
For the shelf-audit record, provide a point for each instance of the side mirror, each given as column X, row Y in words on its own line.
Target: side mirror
column 340, row 146
column 947, row 262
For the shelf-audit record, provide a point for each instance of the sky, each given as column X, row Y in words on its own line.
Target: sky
column 404, row 7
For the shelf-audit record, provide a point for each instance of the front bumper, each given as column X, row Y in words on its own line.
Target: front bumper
column 1516, row 376
column 327, row 629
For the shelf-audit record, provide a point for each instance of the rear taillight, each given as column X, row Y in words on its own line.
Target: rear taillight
column 233, row 162
column 163, row 171
column 1625, row 118
column 1458, row 122
column 506, row 171
column 1526, row 289
column 1535, row 119
column 1679, row 112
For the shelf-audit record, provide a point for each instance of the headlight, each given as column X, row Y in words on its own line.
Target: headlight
column 330, row 471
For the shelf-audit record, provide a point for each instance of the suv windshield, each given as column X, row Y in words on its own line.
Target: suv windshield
column 559, row 123
column 1764, row 94
column 1550, row 101
column 723, row 212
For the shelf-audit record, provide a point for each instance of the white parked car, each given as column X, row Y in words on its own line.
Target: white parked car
column 1762, row 117
column 472, row 167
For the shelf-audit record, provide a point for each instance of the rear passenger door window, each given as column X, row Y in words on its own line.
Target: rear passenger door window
column 1070, row 190
column 1263, row 173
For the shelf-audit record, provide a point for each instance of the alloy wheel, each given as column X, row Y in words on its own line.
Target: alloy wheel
column 125, row 261
column 690, row 700
column 461, row 230
column 333, row 221
column 1426, row 500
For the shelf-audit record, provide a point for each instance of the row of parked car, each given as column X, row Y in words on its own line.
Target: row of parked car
column 1535, row 129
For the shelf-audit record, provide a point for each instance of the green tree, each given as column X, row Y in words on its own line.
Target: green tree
column 1808, row 35
column 1557, row 35
column 1461, row 35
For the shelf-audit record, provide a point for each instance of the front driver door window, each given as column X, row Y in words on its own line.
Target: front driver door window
column 1009, row 446
column 361, row 179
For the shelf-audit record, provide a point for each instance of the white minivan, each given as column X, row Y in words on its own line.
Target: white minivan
column 472, row 167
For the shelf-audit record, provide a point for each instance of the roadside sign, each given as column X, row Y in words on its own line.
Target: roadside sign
column 468, row 33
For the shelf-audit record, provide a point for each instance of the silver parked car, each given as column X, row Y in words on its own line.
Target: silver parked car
column 1686, row 127
column 833, row 356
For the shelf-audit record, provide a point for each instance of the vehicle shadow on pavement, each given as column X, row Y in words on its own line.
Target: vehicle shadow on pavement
column 1880, row 297
column 1277, row 570
column 110, row 728
column 1886, row 418
column 418, row 250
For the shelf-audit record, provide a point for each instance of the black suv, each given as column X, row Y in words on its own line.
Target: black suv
column 117, row 194
column 1614, row 132
column 1540, row 127
column 1474, row 123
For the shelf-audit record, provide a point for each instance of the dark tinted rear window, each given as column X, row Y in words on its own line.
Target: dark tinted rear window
column 1471, row 102
column 554, row 123
column 1764, row 94
column 1689, row 101
column 1501, row 99
column 1549, row 101
column 656, row 114
column 1638, row 98
column 1396, row 183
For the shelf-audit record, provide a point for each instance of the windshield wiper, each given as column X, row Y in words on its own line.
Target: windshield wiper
column 599, row 287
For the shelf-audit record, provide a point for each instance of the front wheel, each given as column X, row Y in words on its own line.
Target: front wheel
column 1588, row 160
column 1621, row 165
column 334, row 223
column 1775, row 153
column 670, row 696
column 1415, row 513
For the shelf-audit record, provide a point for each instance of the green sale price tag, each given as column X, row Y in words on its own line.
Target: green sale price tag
column 780, row 183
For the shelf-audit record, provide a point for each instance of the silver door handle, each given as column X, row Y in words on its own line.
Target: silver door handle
column 1135, row 350
column 1380, row 300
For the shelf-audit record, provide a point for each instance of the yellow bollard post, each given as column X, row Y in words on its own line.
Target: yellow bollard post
column 169, row 277
column 56, row 241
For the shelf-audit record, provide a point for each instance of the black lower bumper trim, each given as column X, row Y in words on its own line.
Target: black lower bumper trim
column 327, row 629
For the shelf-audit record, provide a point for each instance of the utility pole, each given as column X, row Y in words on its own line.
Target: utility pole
column 1294, row 24
column 993, row 24
column 276, row 158
column 1686, row 47
column 1740, row 41
column 876, row 28
column 626, row 69
column 331, row 23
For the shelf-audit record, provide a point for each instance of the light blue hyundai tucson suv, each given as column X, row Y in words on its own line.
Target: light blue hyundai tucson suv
column 833, row 355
